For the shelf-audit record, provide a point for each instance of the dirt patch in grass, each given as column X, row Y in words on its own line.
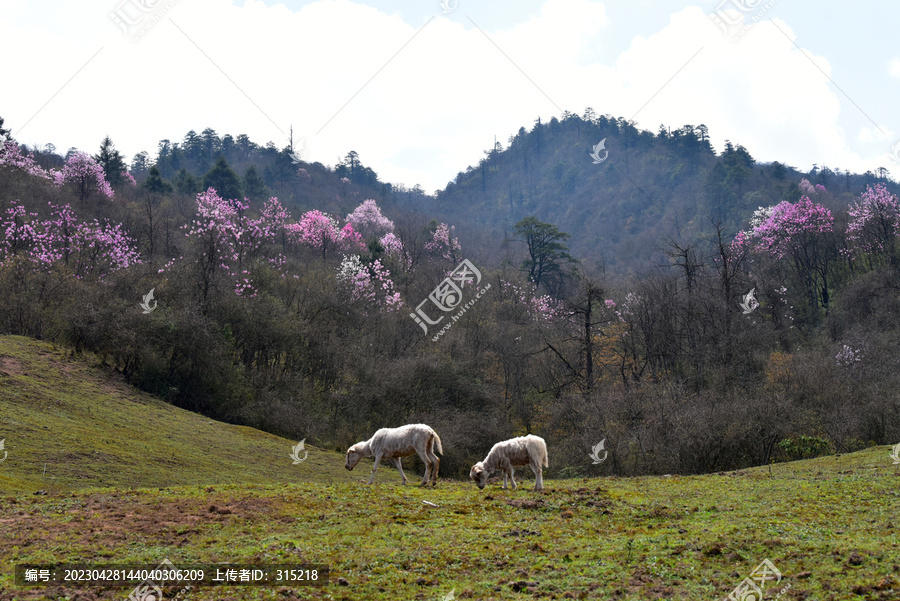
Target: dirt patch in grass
column 82, row 521
column 10, row 367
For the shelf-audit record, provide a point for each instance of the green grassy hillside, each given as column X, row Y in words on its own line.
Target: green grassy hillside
column 213, row 493
column 68, row 425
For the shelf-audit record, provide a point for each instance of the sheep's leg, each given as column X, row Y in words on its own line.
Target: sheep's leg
column 375, row 467
column 512, row 478
column 423, row 455
column 400, row 467
column 434, row 463
column 434, row 470
column 538, row 476
column 504, row 479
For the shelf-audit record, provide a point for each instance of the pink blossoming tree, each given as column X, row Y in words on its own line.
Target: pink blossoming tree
column 12, row 158
column 443, row 243
column 321, row 231
column 84, row 248
column 371, row 284
column 230, row 245
column 368, row 220
column 874, row 225
column 85, row 174
column 796, row 232
column 541, row 308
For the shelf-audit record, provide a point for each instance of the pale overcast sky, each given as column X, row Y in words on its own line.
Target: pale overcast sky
column 420, row 89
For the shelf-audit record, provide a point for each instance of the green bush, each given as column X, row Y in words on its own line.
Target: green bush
column 804, row 447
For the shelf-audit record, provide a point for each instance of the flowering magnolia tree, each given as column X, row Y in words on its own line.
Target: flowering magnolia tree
column 392, row 245
column 371, row 284
column 82, row 171
column 795, row 232
column 793, row 228
column 368, row 220
column 320, row 231
column 444, row 243
column 541, row 308
column 12, row 158
column 85, row 174
column 874, row 225
column 85, row 248
column 229, row 245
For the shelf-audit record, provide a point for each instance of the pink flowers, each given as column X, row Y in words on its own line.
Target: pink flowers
column 81, row 170
column 371, row 284
column 806, row 187
column 368, row 220
column 392, row 245
column 85, row 174
column 874, row 222
column 809, row 190
column 230, row 242
column 350, row 239
column 443, row 242
column 543, row 308
column 11, row 157
column 319, row 230
column 88, row 248
column 789, row 226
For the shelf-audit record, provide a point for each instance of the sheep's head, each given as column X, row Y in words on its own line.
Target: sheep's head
column 479, row 474
column 353, row 457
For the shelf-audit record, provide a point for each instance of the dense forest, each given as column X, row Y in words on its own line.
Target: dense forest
column 696, row 310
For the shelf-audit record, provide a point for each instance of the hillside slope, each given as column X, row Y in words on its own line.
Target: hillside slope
column 68, row 425
column 620, row 210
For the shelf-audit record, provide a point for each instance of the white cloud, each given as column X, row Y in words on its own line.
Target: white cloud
column 874, row 134
column 894, row 67
column 332, row 70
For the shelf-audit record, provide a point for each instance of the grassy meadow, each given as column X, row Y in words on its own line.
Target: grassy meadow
column 124, row 478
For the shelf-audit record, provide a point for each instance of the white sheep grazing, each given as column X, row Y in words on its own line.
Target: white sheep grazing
column 394, row 443
column 516, row 452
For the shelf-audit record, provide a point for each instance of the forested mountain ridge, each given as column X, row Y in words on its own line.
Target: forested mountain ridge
column 648, row 187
